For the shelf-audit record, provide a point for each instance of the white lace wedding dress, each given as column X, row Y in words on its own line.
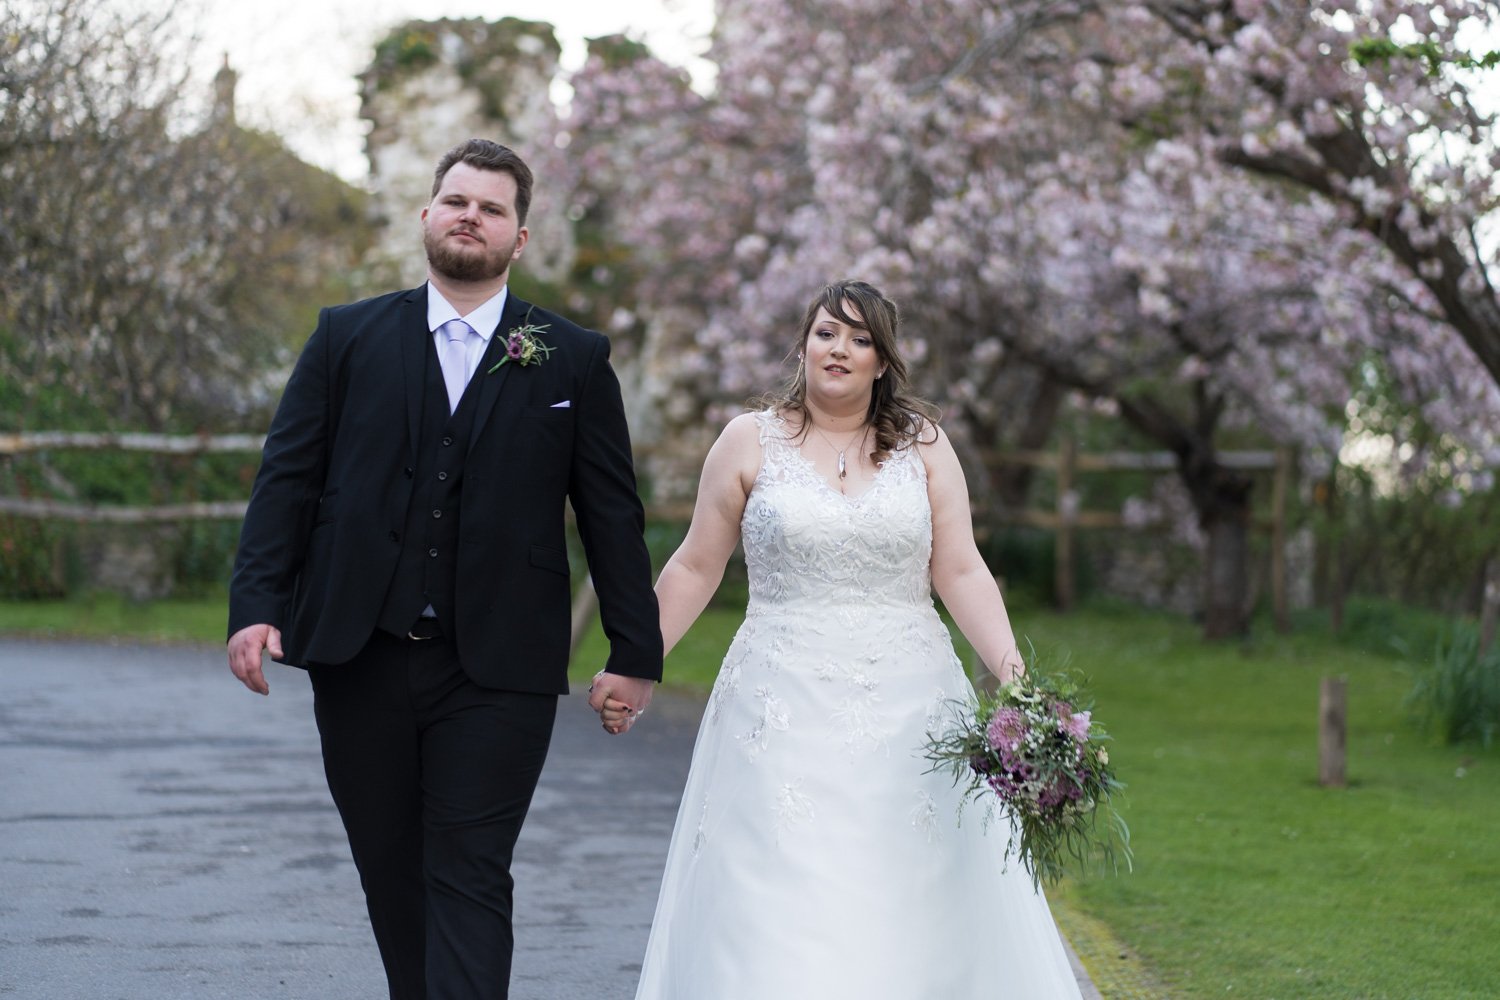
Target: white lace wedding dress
column 813, row 859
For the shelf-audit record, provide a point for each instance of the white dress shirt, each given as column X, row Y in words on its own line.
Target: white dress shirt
column 483, row 320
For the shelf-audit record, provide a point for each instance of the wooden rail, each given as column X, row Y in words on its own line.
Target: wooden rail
column 161, row 444
column 1064, row 518
column 81, row 513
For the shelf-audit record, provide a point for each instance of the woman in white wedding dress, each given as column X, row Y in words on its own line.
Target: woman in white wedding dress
column 814, row 856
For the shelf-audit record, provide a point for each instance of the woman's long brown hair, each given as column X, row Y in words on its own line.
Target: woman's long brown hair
column 896, row 413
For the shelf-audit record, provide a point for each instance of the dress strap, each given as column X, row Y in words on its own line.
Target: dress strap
column 772, row 426
column 776, row 447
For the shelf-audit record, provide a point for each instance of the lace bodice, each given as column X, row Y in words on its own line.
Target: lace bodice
column 806, row 542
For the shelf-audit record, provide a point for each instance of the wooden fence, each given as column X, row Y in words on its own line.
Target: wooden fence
column 1067, row 463
column 1066, row 520
column 159, row 444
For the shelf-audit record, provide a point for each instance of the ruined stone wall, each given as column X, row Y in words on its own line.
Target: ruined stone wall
column 433, row 84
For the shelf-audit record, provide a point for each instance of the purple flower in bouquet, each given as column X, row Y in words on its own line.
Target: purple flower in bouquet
column 1051, row 797
column 1006, row 728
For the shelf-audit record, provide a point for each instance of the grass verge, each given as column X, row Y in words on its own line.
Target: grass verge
column 106, row 616
column 1251, row 880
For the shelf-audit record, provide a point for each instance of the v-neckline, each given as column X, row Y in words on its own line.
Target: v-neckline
column 812, row 470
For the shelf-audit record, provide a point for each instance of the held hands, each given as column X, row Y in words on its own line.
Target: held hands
column 244, row 654
column 619, row 700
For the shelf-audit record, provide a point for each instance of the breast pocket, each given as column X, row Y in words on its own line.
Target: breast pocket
column 548, row 411
column 548, row 424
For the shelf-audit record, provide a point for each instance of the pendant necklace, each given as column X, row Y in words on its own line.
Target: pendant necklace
column 843, row 468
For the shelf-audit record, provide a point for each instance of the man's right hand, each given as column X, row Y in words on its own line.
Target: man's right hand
column 244, row 654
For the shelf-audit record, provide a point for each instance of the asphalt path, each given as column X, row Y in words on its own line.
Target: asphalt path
column 167, row 835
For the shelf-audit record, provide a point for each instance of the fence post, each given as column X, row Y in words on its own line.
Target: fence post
column 1332, row 728
column 1067, row 459
column 1489, row 604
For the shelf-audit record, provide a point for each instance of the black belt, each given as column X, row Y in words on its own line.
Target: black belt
column 425, row 629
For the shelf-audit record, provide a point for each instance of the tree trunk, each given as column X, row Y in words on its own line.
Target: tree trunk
column 1223, row 504
column 1012, row 483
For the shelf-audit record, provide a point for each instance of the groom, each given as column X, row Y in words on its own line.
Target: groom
column 404, row 542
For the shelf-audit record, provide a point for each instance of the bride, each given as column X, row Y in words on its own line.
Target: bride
column 814, row 856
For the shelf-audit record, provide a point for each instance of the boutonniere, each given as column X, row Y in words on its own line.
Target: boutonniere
column 522, row 346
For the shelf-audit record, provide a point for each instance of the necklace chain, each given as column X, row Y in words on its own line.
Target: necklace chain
column 843, row 468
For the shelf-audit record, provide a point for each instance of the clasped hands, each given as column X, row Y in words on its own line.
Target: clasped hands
column 619, row 700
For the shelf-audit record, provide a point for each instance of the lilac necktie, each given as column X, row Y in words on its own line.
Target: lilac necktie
column 455, row 359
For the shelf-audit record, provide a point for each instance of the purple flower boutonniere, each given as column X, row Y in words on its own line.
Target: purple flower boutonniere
column 522, row 346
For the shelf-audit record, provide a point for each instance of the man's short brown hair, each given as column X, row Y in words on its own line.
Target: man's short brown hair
column 482, row 154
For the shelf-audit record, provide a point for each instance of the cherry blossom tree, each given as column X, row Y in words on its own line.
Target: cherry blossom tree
column 1105, row 198
column 1409, row 156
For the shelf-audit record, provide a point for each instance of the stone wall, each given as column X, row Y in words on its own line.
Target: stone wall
column 433, row 84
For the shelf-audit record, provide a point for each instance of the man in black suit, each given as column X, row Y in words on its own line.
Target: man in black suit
column 404, row 542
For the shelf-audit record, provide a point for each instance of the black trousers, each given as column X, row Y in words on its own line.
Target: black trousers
column 433, row 776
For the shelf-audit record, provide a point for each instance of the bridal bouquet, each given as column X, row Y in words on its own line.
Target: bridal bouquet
column 1036, row 747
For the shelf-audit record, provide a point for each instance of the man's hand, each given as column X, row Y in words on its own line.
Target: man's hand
column 244, row 654
column 619, row 700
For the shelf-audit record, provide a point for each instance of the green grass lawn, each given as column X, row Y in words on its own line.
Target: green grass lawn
column 1250, row 880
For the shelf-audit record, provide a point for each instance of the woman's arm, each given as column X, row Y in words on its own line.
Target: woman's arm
column 959, row 575
column 695, row 570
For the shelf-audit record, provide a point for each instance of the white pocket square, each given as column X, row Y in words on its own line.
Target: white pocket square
column 561, row 406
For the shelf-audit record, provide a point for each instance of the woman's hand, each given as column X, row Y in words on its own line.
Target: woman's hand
column 617, row 716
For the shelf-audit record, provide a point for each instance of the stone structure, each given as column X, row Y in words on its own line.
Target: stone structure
column 432, row 84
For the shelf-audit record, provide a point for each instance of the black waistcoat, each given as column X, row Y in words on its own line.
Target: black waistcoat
column 429, row 539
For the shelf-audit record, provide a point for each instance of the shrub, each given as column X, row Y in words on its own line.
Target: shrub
column 1456, row 696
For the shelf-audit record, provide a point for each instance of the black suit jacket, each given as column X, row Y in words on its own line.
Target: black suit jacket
column 321, row 535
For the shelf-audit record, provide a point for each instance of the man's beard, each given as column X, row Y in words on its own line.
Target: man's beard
column 453, row 263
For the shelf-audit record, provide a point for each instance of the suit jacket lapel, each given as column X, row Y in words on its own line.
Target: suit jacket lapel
column 489, row 388
column 414, row 337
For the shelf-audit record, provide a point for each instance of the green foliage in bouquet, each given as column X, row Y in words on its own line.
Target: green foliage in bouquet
column 1035, row 747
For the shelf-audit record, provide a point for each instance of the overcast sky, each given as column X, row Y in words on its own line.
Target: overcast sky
column 297, row 59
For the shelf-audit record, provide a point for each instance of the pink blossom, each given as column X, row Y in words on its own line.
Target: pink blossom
column 1077, row 726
